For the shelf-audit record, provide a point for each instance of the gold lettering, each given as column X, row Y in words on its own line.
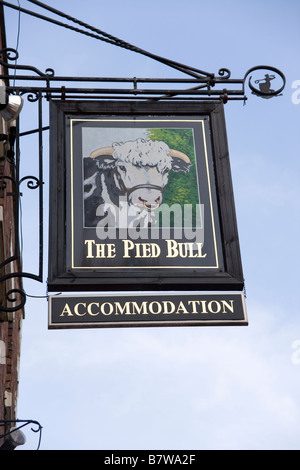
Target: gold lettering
column 76, row 309
column 159, row 307
column 165, row 304
column 146, row 250
column 139, row 309
column 191, row 250
column 226, row 304
column 155, row 307
column 194, row 302
column 128, row 246
column 89, row 308
column 100, row 250
column 199, row 254
column 66, row 310
column 184, row 250
column 155, row 250
column 111, row 250
column 172, row 250
column 110, row 306
column 89, row 244
column 210, row 308
column 126, row 308
column 140, row 250
column 181, row 307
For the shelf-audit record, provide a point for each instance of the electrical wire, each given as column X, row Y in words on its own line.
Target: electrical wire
column 103, row 36
column 18, row 40
column 117, row 41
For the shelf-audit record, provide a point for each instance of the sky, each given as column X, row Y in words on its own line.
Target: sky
column 203, row 388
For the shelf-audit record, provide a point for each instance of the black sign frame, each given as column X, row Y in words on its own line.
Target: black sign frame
column 66, row 274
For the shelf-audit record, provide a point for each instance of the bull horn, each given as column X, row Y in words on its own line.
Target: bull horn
column 102, row 151
column 183, row 156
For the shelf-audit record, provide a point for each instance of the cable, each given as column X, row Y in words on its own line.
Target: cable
column 37, row 296
column 50, row 20
column 81, row 23
column 18, row 40
column 102, row 36
column 40, row 296
column 19, row 27
column 117, row 41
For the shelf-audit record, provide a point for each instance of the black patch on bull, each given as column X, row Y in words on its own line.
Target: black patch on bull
column 179, row 165
column 92, row 202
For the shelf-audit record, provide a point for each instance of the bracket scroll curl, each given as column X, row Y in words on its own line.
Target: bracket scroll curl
column 19, row 424
column 13, row 55
column 13, row 296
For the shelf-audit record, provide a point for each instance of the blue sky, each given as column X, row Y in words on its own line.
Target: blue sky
column 178, row 388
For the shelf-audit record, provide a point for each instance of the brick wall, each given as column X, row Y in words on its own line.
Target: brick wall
column 10, row 322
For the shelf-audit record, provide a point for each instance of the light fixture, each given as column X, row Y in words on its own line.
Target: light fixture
column 12, row 108
column 15, row 438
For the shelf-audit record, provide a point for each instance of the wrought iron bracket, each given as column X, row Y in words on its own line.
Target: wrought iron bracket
column 11, row 184
column 38, row 85
column 21, row 423
column 200, row 86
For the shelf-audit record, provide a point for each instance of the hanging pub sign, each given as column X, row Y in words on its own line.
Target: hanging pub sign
column 141, row 198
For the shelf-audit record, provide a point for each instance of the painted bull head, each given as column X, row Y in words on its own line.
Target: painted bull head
column 141, row 169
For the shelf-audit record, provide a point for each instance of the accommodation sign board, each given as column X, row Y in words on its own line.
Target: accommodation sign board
column 147, row 309
column 141, row 199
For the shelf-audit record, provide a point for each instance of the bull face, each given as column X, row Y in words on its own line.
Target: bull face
column 142, row 185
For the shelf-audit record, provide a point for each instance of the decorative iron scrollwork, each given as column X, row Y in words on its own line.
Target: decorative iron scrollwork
column 33, row 182
column 13, row 55
column 205, row 86
column 225, row 73
column 14, row 297
column 264, row 89
column 32, row 95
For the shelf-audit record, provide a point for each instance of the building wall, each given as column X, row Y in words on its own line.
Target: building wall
column 10, row 322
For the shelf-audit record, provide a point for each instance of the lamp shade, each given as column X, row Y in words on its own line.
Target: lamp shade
column 13, row 108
